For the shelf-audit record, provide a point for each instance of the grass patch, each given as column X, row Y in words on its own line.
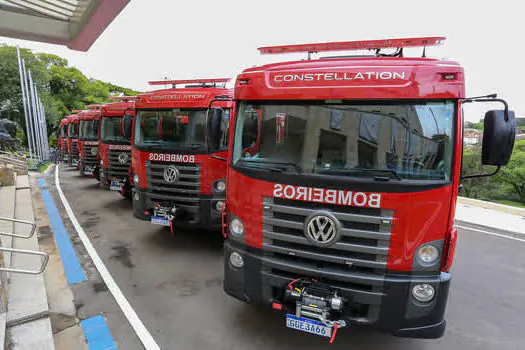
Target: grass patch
column 43, row 167
column 511, row 203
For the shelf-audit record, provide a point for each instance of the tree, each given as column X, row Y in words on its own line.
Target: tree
column 480, row 188
column 513, row 174
column 61, row 88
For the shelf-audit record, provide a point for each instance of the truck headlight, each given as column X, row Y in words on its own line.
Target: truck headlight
column 423, row 292
column 427, row 254
column 136, row 178
column 219, row 205
column 101, row 163
column 236, row 260
column 236, row 227
column 220, row 185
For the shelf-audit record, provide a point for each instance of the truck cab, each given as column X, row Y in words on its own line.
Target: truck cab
column 62, row 140
column 114, row 148
column 73, row 123
column 178, row 178
column 88, row 139
column 352, row 179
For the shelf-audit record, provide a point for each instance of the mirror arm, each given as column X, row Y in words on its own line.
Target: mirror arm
column 481, row 175
column 489, row 98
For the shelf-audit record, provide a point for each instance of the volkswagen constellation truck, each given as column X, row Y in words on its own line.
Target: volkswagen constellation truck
column 73, row 123
column 179, row 179
column 114, row 149
column 88, row 139
column 342, row 213
column 62, row 140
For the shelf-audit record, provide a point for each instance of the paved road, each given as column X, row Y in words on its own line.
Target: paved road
column 174, row 284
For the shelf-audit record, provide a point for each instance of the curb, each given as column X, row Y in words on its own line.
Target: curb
column 49, row 169
column 493, row 206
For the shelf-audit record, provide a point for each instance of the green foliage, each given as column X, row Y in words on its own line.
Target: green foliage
column 471, row 125
column 61, row 88
column 508, row 184
column 513, row 175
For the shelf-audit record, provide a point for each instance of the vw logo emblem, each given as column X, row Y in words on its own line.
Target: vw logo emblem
column 94, row 151
column 322, row 228
column 122, row 158
column 171, row 174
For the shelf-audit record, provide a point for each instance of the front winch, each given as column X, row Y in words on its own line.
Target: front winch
column 314, row 300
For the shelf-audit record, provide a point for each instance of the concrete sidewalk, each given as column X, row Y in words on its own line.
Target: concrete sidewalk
column 491, row 215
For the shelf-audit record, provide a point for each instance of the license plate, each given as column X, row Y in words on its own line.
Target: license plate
column 307, row 325
column 160, row 221
column 88, row 172
column 115, row 186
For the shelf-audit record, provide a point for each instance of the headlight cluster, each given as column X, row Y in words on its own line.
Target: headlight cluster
column 220, row 185
column 428, row 254
column 236, row 227
column 136, row 178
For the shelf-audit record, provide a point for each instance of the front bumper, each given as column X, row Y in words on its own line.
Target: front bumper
column 201, row 213
column 106, row 177
column 397, row 312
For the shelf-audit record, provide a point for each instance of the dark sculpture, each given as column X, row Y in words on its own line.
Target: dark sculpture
column 8, row 140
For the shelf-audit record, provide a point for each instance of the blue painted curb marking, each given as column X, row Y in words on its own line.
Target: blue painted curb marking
column 41, row 183
column 97, row 333
column 72, row 268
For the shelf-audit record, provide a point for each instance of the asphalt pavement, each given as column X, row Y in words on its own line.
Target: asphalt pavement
column 174, row 285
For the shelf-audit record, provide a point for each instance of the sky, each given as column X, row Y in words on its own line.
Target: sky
column 153, row 39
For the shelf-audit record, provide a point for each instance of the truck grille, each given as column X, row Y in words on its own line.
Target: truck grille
column 90, row 159
column 356, row 263
column 115, row 167
column 183, row 193
column 74, row 149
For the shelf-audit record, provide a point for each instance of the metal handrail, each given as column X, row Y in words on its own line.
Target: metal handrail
column 28, row 252
column 32, row 223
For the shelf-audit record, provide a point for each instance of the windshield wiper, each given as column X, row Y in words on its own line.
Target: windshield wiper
column 297, row 167
column 260, row 166
column 389, row 172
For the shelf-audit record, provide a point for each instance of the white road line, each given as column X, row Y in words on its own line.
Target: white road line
column 143, row 334
column 491, row 233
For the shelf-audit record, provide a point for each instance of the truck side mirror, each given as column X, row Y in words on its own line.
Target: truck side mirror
column 95, row 127
column 213, row 120
column 127, row 126
column 498, row 137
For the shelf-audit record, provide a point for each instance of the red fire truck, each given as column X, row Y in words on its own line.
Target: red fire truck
column 88, row 139
column 342, row 212
column 177, row 175
column 114, row 149
column 62, row 140
column 73, row 123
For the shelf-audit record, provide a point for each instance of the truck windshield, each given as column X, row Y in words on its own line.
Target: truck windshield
column 73, row 130
column 399, row 141
column 86, row 130
column 111, row 130
column 180, row 128
column 63, row 131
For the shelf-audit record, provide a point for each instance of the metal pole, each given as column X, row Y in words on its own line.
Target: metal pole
column 44, row 123
column 24, row 102
column 31, row 133
column 35, row 115
column 40, row 124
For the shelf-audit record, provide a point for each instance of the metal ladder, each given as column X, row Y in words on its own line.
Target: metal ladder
column 44, row 255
